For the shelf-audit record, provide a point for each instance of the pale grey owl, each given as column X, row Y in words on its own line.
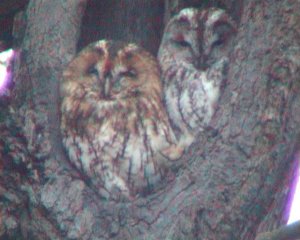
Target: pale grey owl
column 193, row 57
column 114, row 126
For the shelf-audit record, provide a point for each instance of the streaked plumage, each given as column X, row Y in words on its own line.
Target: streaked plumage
column 193, row 57
column 115, row 128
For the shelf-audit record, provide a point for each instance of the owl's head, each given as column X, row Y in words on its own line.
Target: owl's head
column 114, row 70
column 192, row 35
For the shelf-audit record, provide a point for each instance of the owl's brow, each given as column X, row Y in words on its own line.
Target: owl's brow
column 128, row 55
column 99, row 50
column 190, row 21
column 183, row 20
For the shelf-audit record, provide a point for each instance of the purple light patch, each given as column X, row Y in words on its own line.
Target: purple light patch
column 295, row 209
column 5, row 59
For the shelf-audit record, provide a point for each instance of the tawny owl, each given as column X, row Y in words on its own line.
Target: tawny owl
column 114, row 126
column 193, row 57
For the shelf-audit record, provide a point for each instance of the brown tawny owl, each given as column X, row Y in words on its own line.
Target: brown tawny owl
column 193, row 56
column 114, row 126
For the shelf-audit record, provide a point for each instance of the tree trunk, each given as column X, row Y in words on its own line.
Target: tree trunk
column 128, row 20
column 234, row 184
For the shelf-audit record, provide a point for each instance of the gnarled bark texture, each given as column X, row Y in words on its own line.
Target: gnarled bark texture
column 235, row 183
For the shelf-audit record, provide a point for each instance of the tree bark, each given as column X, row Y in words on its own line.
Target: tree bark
column 236, row 180
column 128, row 20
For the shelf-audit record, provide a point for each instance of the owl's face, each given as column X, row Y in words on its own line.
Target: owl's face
column 110, row 70
column 193, row 36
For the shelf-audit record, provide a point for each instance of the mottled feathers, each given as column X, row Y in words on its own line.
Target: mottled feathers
column 193, row 59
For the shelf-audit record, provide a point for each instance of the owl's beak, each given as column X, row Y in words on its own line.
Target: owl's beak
column 198, row 57
column 196, row 50
column 107, row 78
column 107, row 84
